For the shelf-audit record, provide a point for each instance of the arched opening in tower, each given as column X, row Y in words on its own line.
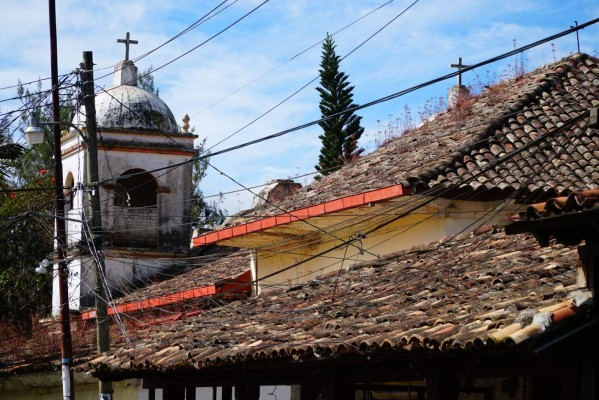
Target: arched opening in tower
column 136, row 188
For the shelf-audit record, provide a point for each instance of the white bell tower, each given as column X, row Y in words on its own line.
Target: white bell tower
column 145, row 188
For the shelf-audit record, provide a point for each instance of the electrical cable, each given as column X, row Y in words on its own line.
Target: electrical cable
column 309, row 83
column 207, row 40
column 499, row 160
column 291, row 59
column 276, row 206
column 375, row 102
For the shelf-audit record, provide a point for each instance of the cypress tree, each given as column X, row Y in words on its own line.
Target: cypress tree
column 340, row 133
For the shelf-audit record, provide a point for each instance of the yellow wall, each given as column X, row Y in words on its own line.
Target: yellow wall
column 40, row 386
column 439, row 219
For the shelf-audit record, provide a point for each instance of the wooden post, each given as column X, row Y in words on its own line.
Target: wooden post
column 66, row 345
column 190, row 393
column 246, row 391
column 102, row 320
column 589, row 257
column 296, row 392
column 227, row 393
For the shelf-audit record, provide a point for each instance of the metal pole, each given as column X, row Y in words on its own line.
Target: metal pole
column 66, row 346
column 102, row 321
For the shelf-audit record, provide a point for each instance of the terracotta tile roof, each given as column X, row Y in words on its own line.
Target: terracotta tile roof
column 461, row 142
column 215, row 269
column 482, row 290
column 567, row 220
column 573, row 202
column 41, row 351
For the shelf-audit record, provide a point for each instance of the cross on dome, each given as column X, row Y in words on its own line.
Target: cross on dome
column 127, row 41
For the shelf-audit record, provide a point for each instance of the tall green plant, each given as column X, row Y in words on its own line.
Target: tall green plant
column 342, row 129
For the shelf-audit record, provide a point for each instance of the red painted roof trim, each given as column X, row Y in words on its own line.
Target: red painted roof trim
column 161, row 301
column 328, row 207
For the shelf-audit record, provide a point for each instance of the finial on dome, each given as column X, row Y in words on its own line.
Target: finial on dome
column 125, row 72
column 185, row 126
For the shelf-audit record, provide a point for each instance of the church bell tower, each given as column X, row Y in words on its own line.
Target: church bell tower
column 145, row 186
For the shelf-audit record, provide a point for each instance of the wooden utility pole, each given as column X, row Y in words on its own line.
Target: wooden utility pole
column 66, row 345
column 102, row 321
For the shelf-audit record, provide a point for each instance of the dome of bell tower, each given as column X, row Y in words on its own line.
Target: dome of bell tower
column 124, row 106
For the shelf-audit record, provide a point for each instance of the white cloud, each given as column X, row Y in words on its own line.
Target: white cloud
column 416, row 47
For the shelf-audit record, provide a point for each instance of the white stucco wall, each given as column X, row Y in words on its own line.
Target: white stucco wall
column 121, row 273
column 174, row 187
column 174, row 193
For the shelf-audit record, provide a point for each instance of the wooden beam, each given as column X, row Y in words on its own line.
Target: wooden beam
column 329, row 207
column 338, row 389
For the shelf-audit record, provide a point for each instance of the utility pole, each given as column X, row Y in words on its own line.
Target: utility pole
column 102, row 321
column 66, row 344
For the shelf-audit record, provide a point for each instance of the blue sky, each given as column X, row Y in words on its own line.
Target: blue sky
column 416, row 47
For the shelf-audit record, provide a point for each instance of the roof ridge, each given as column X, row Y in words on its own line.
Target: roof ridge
column 544, row 81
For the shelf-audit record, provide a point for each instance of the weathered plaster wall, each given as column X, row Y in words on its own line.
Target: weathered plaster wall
column 438, row 220
column 169, row 230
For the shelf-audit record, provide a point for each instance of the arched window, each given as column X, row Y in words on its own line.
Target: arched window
column 69, row 192
column 135, row 188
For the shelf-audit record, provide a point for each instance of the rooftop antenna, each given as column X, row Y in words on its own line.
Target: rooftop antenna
column 577, row 38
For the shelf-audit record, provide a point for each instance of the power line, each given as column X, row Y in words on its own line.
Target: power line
column 311, row 81
column 211, row 14
column 206, row 17
column 434, row 194
column 379, row 100
column 291, row 59
column 207, row 40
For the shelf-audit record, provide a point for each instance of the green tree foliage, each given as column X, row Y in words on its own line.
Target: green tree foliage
column 204, row 213
column 24, row 241
column 26, row 209
column 340, row 133
column 145, row 80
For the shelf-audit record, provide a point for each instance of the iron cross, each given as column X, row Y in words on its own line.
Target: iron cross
column 459, row 66
column 127, row 41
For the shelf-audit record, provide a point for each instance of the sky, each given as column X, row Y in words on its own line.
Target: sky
column 231, row 80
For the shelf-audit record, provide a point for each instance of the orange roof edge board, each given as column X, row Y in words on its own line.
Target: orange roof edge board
column 328, row 207
column 160, row 301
